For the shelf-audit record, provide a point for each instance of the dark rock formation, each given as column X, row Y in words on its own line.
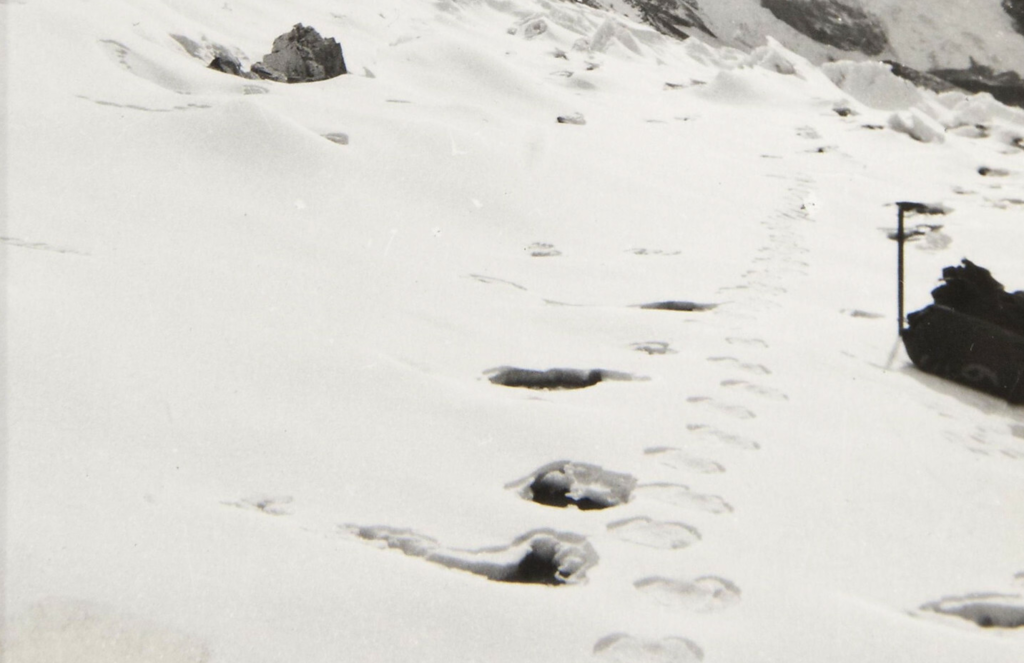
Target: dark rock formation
column 971, row 289
column 1015, row 8
column 833, row 23
column 266, row 74
column 1006, row 86
column 229, row 65
column 302, row 55
column 920, row 78
column 669, row 17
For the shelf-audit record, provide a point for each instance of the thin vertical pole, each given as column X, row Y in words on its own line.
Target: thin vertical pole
column 899, row 267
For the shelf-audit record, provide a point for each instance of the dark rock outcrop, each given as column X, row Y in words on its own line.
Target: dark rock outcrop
column 1006, row 86
column 920, row 78
column 229, row 65
column 833, row 23
column 302, row 55
column 670, row 17
column 1015, row 8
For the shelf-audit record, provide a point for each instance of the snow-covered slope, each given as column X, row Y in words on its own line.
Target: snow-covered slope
column 924, row 34
column 250, row 329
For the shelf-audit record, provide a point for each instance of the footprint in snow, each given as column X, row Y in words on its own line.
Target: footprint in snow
column 985, row 610
column 730, row 410
column 682, row 496
column 539, row 557
column 337, row 138
column 766, row 392
column 678, row 459
column 564, row 483
column 543, row 250
column 748, row 342
column 718, row 435
column 661, row 534
column 756, row 369
column 704, row 594
column 273, row 505
column 654, row 348
column 492, row 280
column 625, row 648
column 553, row 378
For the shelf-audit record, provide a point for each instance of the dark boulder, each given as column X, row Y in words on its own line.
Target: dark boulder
column 833, row 23
column 302, row 55
column 229, row 65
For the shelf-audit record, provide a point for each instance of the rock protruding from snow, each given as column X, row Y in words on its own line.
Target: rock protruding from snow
column 228, row 64
column 832, row 22
column 302, row 55
column 1006, row 86
column 672, row 17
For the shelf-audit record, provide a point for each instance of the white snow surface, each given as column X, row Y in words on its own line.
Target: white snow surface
column 233, row 342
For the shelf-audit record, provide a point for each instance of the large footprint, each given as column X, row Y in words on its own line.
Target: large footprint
column 655, row 533
column 624, row 648
column 704, row 594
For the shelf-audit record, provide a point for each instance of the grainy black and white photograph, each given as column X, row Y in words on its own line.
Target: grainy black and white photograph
column 512, row 331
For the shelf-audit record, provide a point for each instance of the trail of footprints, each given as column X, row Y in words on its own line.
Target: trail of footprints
column 562, row 559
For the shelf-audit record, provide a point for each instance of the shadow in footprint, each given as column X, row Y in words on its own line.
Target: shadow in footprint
column 678, row 306
column 539, row 557
column 985, row 610
column 564, row 483
column 625, row 648
column 654, row 348
column 553, row 378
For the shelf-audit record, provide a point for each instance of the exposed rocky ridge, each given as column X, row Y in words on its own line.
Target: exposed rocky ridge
column 920, row 78
column 922, row 34
column 670, row 16
column 832, row 22
column 1006, row 86
column 1015, row 8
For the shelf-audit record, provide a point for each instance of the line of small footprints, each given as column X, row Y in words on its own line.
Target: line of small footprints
column 777, row 261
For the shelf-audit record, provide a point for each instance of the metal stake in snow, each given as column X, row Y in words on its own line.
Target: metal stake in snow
column 903, row 206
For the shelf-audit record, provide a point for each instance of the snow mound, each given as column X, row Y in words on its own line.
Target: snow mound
column 918, row 126
column 874, row 85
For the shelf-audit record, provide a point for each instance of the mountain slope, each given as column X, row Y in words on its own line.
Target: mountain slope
column 923, row 35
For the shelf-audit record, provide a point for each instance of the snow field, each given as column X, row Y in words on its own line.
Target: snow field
column 233, row 340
